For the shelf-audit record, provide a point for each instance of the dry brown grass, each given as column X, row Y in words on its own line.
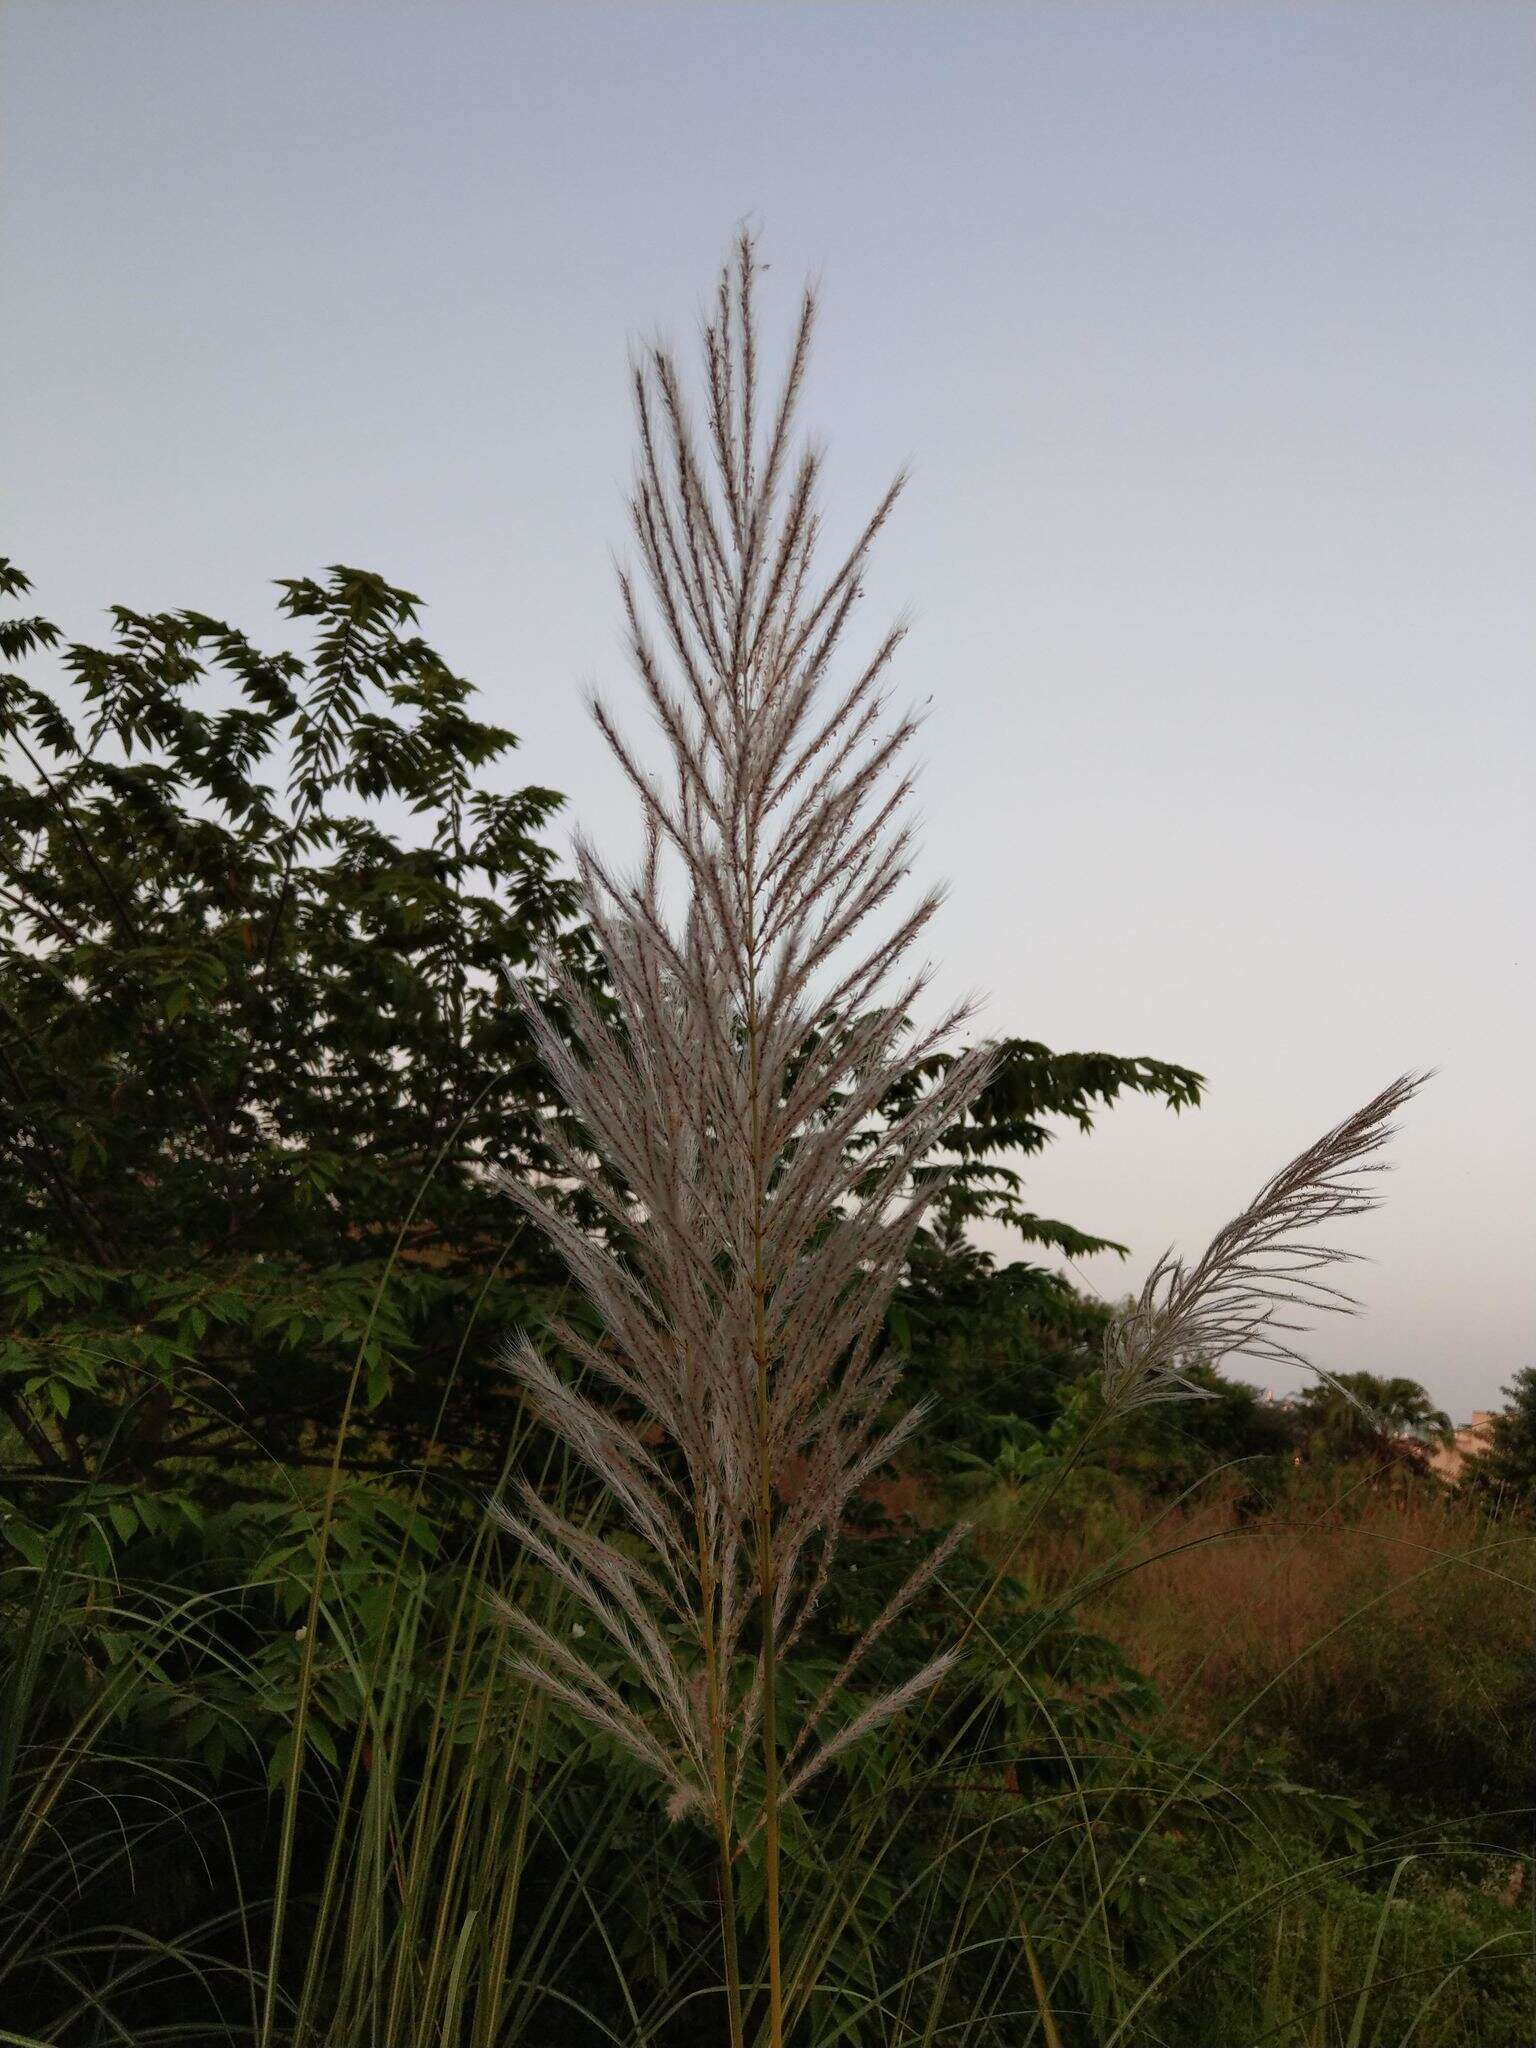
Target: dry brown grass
column 1368, row 1623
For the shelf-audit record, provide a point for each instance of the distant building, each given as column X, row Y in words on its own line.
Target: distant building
column 1447, row 1461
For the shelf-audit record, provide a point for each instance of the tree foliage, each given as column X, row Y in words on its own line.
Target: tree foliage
column 259, row 915
column 1508, row 1463
column 1364, row 1415
column 259, row 908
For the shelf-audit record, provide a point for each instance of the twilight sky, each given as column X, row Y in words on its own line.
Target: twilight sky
column 1210, row 330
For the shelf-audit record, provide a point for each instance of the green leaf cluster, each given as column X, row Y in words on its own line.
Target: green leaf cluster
column 258, row 1065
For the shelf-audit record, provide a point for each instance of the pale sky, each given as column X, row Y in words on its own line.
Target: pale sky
column 1210, row 330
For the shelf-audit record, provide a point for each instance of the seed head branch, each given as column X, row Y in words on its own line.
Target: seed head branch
column 758, row 1208
column 1257, row 1284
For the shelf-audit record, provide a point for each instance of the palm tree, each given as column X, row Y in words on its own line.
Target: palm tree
column 1362, row 1415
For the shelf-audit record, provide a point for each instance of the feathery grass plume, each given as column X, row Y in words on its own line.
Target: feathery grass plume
column 1267, row 1261
column 761, row 972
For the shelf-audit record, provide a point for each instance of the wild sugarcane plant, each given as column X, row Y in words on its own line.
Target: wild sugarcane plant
column 758, row 1209
column 763, row 1005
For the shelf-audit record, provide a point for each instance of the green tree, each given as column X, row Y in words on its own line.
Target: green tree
column 1363, row 1415
column 252, row 1038
column 1508, row 1463
column 1171, row 1445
